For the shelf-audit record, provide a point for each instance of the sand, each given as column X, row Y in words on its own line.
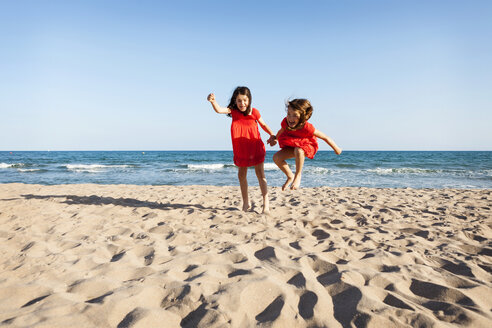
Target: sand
column 185, row 256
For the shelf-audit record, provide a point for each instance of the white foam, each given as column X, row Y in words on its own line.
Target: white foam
column 319, row 170
column 91, row 167
column 402, row 170
column 207, row 167
column 6, row 166
column 28, row 170
column 270, row 166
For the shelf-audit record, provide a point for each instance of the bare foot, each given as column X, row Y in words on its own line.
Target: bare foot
column 296, row 183
column 266, row 206
column 287, row 182
column 245, row 207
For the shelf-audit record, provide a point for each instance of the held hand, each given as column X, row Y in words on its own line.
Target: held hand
column 272, row 141
column 211, row 97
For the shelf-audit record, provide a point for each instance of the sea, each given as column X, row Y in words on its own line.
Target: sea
column 375, row 169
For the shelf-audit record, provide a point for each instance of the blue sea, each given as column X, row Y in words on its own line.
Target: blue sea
column 380, row 169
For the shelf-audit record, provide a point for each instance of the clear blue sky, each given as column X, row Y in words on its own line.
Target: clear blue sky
column 134, row 75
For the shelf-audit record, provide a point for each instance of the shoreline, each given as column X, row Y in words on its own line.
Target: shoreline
column 142, row 255
column 251, row 186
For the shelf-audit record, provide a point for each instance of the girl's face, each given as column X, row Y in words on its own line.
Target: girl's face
column 292, row 117
column 242, row 102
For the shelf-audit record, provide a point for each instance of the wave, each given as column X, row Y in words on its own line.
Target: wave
column 349, row 166
column 318, row 170
column 91, row 168
column 218, row 166
column 402, row 170
column 206, row 167
column 270, row 166
column 15, row 165
column 413, row 170
column 32, row 170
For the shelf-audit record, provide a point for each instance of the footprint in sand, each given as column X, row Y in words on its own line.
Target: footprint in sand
column 320, row 234
column 396, row 302
column 327, row 272
column 266, row 254
column 176, row 294
column 149, row 258
column 150, row 215
column 417, row 232
column 298, row 280
column 448, row 312
column 194, row 317
column 459, row 269
column 295, row 245
column 99, row 299
column 118, row 256
column 35, row 300
column 345, row 297
column 439, row 293
column 190, row 268
column 272, row 311
column 239, row 272
column 132, row 317
column 345, row 300
column 306, row 304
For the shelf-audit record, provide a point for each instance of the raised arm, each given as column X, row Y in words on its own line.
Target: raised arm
column 215, row 105
column 329, row 141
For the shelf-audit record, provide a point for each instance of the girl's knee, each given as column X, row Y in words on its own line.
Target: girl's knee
column 242, row 173
column 276, row 158
column 260, row 174
column 299, row 151
column 260, row 170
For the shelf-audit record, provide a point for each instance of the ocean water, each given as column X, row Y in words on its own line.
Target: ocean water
column 380, row 169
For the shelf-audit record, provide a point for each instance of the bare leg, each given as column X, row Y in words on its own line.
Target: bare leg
column 260, row 174
column 279, row 159
column 243, row 183
column 300, row 156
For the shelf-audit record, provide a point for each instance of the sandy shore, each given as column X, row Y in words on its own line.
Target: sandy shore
column 166, row 256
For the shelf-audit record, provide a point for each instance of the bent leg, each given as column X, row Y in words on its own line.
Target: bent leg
column 243, row 183
column 279, row 159
column 260, row 174
column 300, row 156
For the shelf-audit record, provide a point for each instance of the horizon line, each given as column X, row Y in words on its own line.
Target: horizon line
column 230, row 150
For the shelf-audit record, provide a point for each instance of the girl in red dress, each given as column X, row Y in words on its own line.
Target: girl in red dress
column 247, row 145
column 297, row 138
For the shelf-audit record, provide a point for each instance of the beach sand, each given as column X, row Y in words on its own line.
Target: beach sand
column 185, row 256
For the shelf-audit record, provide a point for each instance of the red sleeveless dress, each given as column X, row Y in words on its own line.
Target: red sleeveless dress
column 303, row 138
column 247, row 145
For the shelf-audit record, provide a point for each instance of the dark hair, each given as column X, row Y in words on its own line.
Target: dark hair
column 243, row 91
column 303, row 107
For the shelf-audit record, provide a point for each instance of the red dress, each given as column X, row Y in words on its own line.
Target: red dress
column 247, row 145
column 303, row 138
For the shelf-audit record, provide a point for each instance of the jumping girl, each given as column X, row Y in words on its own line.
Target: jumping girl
column 247, row 145
column 297, row 138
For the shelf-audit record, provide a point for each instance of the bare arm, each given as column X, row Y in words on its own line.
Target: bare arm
column 273, row 138
column 329, row 141
column 265, row 127
column 215, row 105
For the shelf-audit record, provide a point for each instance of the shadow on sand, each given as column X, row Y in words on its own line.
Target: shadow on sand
column 128, row 202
